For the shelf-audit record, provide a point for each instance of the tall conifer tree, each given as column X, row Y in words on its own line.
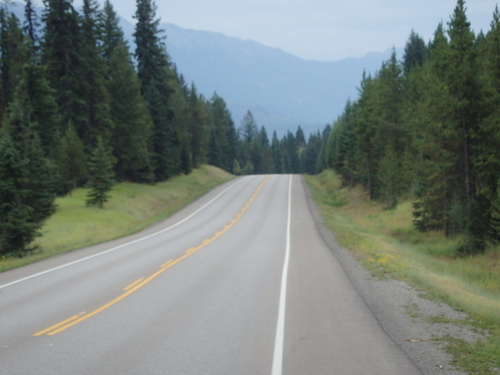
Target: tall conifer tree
column 31, row 24
column 28, row 188
column 72, row 161
column 16, row 230
column 434, row 141
column 225, row 132
column 415, row 52
column 462, row 78
column 101, row 175
column 154, row 73
column 133, row 126
column 276, row 152
column 38, row 101
column 112, row 35
column 197, row 127
column 365, row 134
column 62, row 53
column 97, row 98
column 487, row 158
column 13, row 55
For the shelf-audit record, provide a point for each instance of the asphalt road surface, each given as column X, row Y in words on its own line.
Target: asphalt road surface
column 239, row 282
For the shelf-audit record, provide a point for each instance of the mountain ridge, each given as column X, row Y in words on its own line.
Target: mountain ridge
column 282, row 90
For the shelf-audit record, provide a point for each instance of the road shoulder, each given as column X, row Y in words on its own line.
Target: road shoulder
column 402, row 311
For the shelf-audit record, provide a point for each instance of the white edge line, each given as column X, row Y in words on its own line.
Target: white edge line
column 123, row 245
column 280, row 327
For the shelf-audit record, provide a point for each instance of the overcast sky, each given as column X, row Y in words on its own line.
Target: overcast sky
column 317, row 29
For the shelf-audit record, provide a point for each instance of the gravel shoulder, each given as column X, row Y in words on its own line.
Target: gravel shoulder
column 402, row 310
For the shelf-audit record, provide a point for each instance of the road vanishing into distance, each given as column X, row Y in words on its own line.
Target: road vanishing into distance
column 239, row 282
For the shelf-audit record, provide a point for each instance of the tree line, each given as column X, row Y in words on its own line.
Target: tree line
column 428, row 127
column 293, row 153
column 80, row 107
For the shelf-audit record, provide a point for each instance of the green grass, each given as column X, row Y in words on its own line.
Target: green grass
column 386, row 242
column 131, row 208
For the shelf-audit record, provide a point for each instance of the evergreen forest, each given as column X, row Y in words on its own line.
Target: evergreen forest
column 80, row 107
column 427, row 128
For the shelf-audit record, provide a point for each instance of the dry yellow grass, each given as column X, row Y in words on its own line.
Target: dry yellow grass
column 386, row 242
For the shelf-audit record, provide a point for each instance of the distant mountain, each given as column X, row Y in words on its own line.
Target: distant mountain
column 281, row 90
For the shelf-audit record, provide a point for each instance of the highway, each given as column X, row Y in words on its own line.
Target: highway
column 239, row 282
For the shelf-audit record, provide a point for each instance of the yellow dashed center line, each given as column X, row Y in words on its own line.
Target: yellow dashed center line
column 136, row 285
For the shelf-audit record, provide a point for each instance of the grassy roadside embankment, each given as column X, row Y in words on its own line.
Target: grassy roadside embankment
column 386, row 242
column 132, row 207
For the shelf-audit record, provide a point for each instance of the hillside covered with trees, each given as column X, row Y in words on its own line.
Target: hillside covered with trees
column 428, row 128
column 80, row 107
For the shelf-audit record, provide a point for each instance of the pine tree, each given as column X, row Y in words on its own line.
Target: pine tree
column 276, row 153
column 101, row 176
column 97, row 97
column 178, row 101
column 487, row 159
column 112, row 35
column 226, row 134
column 214, row 154
column 72, row 161
column 133, row 127
column 31, row 24
column 40, row 185
column 492, row 61
column 389, row 177
column 13, row 56
column 310, row 154
column 342, row 146
column 38, row 101
column 291, row 156
column 300, row 137
column 154, row 74
column 389, row 93
column 62, row 53
column 16, row 230
column 250, row 147
column 186, row 156
column 365, row 133
column 495, row 214
column 27, row 190
column 464, row 86
column 392, row 135
column 434, row 141
column 197, row 127
column 321, row 162
column 248, row 129
column 415, row 52
column 265, row 164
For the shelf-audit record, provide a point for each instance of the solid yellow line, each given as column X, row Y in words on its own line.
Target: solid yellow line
column 58, row 328
column 57, row 325
column 166, row 264
column 133, row 284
